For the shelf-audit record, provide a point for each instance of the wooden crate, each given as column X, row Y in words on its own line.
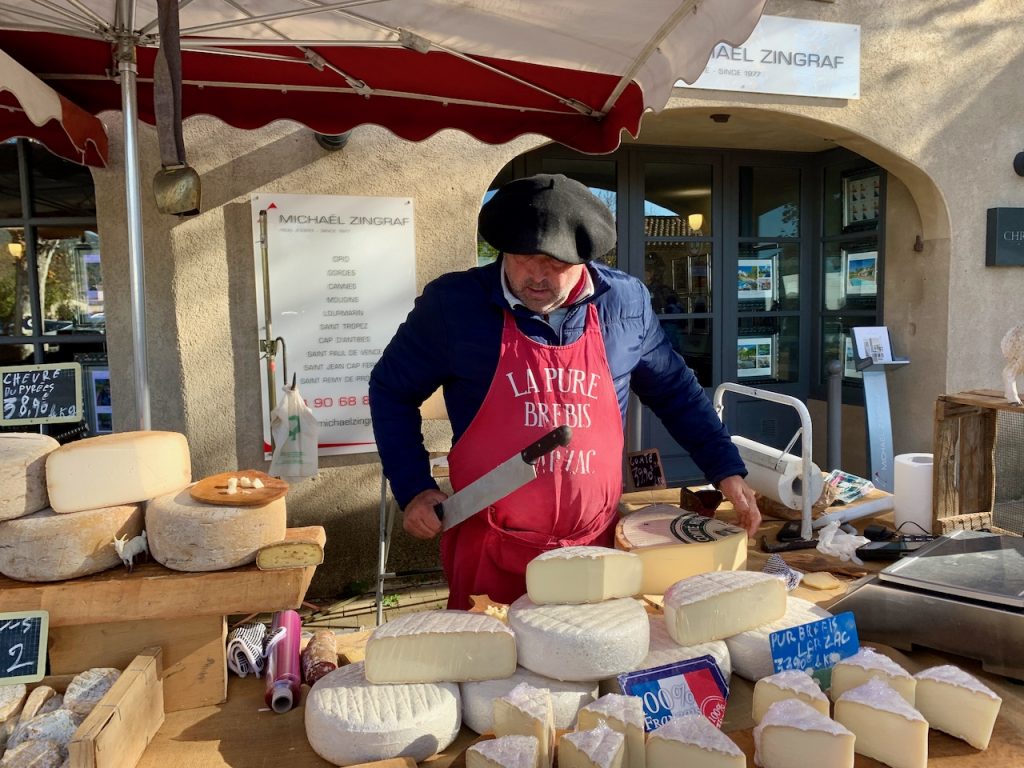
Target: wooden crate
column 963, row 481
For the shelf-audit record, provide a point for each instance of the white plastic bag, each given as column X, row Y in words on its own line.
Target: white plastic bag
column 296, row 432
column 833, row 541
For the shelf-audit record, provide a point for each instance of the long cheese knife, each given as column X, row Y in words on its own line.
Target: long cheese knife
column 512, row 474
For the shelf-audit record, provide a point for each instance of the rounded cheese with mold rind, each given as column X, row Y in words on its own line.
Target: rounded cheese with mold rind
column 580, row 642
column 788, row 684
column 751, row 651
column 23, row 473
column 867, row 664
column 567, row 697
column 350, row 721
column 714, row 606
column 503, row 752
column 583, row 574
column 121, row 468
column 957, row 703
column 45, row 546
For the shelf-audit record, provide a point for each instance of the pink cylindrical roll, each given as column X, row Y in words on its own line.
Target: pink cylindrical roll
column 284, row 669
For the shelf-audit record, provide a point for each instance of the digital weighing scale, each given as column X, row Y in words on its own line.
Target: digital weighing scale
column 962, row 593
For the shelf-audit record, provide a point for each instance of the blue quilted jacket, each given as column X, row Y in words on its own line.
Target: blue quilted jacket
column 452, row 338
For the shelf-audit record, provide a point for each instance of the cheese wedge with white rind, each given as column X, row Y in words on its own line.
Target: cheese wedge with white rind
column 789, row 684
column 567, row 697
column 957, row 703
column 795, row 735
column 87, row 688
column 187, row 535
column 58, row 726
column 23, row 473
column 120, row 468
column 526, row 711
column 45, row 546
column 664, row 650
column 37, row 753
column 888, row 729
column 580, row 642
column 624, row 714
column 350, row 721
column 583, row 575
column 867, row 663
column 751, row 651
column 714, row 606
column 674, row 545
column 692, row 741
column 503, row 752
column 440, row 646
column 600, row 747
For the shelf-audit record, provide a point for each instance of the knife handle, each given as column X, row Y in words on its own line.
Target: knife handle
column 439, row 511
column 559, row 436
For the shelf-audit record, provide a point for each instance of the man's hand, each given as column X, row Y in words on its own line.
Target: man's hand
column 418, row 518
column 741, row 495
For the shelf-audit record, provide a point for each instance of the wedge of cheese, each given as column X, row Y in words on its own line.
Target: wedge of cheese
column 692, row 741
column 624, row 714
column 751, row 651
column 866, row 664
column 503, row 752
column 440, row 646
column 583, row 575
column 790, row 684
column 794, row 735
column 23, row 473
column 120, row 468
column 674, row 545
column 600, row 747
column 713, row 606
column 526, row 711
column 957, row 703
column 888, row 729
column 567, row 697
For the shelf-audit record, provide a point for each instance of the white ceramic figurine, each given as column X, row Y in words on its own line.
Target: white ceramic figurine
column 129, row 549
column 1013, row 350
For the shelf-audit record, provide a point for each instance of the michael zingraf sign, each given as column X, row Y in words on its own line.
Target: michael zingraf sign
column 795, row 57
column 342, row 276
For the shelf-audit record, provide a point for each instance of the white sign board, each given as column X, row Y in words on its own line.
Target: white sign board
column 796, row 57
column 342, row 279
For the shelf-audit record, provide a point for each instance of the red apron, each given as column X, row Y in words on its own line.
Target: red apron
column 575, row 496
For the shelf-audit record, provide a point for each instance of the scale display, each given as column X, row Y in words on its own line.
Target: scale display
column 971, row 564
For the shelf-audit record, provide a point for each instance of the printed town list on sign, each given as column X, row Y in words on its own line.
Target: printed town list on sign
column 342, row 279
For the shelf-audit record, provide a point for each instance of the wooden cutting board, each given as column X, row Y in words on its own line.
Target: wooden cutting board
column 214, row 489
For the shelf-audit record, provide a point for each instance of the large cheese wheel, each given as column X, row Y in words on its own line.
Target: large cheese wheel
column 23, row 473
column 187, row 535
column 567, row 697
column 117, row 469
column 45, row 546
column 349, row 720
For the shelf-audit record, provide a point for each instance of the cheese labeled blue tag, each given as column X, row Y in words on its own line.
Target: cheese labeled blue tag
column 815, row 647
column 689, row 687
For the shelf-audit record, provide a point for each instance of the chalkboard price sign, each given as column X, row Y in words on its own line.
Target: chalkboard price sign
column 644, row 470
column 23, row 646
column 41, row 394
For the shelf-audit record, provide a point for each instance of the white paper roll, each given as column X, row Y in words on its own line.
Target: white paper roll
column 778, row 479
column 912, row 487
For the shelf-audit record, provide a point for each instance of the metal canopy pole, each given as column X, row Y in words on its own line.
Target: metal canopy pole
column 133, row 196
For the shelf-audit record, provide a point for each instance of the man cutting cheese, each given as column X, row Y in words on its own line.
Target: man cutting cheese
column 545, row 336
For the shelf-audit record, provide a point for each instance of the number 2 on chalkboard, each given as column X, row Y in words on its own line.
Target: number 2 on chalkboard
column 18, row 663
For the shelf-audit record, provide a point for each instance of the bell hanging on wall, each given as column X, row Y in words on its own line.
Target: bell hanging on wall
column 178, row 190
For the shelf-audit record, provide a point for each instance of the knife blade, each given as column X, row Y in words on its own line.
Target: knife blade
column 511, row 475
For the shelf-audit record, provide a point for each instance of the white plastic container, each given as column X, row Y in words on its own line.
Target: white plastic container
column 912, row 486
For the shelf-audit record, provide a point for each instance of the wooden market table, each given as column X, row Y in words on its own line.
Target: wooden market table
column 105, row 619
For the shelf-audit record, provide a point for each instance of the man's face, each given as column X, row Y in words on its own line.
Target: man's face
column 539, row 281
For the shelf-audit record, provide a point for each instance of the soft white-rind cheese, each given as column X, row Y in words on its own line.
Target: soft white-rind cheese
column 600, row 747
column 187, row 535
column 583, row 575
column 692, row 741
column 751, row 652
column 888, row 729
column 866, row 664
column 120, row 468
column 624, row 714
column 23, row 473
column 580, row 642
column 87, row 688
column 714, row 606
column 350, row 721
column 567, row 697
column 789, row 684
column 45, row 546
column 957, row 703
column 440, row 646
column 38, row 753
column 795, row 735
column 526, row 711
column 503, row 752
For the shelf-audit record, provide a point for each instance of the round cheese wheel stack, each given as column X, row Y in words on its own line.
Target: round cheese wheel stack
column 23, row 473
column 187, row 535
column 350, row 721
column 580, row 642
column 566, row 698
column 45, row 546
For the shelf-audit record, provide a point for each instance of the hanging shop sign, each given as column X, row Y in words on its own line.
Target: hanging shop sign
column 342, row 277
column 1004, row 242
column 795, row 57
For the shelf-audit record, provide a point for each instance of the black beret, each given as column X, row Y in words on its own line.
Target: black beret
column 550, row 214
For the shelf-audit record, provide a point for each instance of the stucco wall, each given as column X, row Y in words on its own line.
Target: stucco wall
column 941, row 106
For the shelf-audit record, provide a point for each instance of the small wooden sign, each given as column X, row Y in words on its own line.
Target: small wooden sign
column 644, row 470
column 41, row 394
column 23, row 646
